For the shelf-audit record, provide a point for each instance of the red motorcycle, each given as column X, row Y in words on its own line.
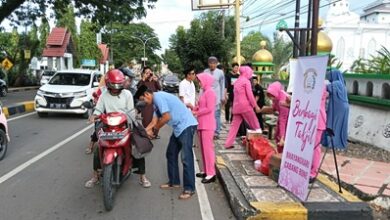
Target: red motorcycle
column 114, row 152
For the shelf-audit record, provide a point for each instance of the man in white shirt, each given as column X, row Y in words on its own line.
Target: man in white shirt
column 187, row 92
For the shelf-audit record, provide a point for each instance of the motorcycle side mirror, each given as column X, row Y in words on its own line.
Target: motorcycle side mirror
column 87, row 105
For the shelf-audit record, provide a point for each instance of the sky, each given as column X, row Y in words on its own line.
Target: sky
column 169, row 14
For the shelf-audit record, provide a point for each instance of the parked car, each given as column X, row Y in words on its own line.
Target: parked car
column 46, row 75
column 66, row 91
column 170, row 83
column 4, row 137
column 3, row 88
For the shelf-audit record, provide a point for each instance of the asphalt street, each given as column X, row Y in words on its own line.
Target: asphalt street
column 16, row 97
column 44, row 171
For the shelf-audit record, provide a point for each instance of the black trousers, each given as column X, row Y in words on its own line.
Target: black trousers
column 228, row 115
column 260, row 118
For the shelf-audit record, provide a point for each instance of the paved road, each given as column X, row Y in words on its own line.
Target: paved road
column 16, row 97
column 53, row 186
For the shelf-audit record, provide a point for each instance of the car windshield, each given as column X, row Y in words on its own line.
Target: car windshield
column 48, row 73
column 171, row 79
column 72, row 79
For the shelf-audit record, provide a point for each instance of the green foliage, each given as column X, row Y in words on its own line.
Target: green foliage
column 101, row 12
column 88, row 48
column 379, row 64
column 44, row 30
column 281, row 51
column 203, row 39
column 125, row 48
column 171, row 58
column 251, row 44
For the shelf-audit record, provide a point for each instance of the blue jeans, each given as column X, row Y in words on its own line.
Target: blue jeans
column 184, row 143
column 218, row 119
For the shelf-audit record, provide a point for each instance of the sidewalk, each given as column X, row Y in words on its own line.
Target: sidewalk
column 255, row 196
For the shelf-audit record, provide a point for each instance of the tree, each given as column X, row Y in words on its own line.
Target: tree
column 171, row 58
column 379, row 64
column 101, row 12
column 251, row 44
column 43, row 30
column 126, row 48
column 281, row 52
column 66, row 18
column 88, row 48
column 203, row 39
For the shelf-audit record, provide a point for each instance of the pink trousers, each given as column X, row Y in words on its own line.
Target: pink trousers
column 249, row 117
column 206, row 139
column 315, row 165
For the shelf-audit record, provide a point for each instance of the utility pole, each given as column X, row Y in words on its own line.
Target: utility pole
column 314, row 32
column 238, row 31
column 296, row 26
column 223, row 24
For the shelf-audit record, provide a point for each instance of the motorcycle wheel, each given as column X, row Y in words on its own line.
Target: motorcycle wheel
column 3, row 144
column 108, row 187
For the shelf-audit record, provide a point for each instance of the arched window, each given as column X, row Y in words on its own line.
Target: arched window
column 369, row 89
column 340, row 50
column 355, row 88
column 371, row 48
column 385, row 91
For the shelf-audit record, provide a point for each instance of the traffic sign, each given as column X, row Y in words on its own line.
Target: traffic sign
column 7, row 64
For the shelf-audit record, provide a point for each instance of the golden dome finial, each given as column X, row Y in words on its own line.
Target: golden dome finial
column 263, row 55
column 263, row 44
column 320, row 22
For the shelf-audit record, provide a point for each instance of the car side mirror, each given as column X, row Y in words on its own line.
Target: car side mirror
column 95, row 84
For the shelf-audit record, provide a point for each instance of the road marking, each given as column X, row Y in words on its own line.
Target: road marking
column 204, row 203
column 19, row 117
column 42, row 155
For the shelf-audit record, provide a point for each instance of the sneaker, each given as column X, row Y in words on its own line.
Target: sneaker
column 145, row 183
column 92, row 182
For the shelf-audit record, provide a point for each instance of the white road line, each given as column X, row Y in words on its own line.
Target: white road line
column 42, row 155
column 19, row 117
column 204, row 203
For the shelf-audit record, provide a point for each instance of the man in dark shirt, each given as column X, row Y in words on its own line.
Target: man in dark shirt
column 230, row 79
column 258, row 92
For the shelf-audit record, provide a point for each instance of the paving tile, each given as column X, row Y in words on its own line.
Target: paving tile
column 321, row 195
column 368, row 189
column 377, row 173
column 274, row 195
column 381, row 165
column 249, row 168
column 386, row 192
column 238, row 156
column 364, row 181
column 346, row 177
column 259, row 181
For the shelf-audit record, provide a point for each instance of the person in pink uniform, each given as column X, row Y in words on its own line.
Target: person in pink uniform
column 243, row 105
column 280, row 103
column 321, row 126
column 206, row 126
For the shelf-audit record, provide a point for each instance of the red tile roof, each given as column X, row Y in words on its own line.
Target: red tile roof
column 105, row 51
column 57, row 43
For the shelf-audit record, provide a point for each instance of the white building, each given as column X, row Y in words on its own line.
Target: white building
column 355, row 36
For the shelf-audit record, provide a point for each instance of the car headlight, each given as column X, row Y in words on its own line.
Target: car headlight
column 80, row 94
column 41, row 92
column 164, row 83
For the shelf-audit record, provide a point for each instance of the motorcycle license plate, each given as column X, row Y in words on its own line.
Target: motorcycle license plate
column 111, row 136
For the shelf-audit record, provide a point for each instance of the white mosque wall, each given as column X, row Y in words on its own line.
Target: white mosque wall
column 369, row 125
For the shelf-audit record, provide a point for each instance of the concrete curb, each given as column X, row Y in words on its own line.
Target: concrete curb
column 19, row 108
column 244, row 207
column 18, row 89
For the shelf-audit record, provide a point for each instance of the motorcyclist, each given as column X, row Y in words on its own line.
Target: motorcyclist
column 114, row 99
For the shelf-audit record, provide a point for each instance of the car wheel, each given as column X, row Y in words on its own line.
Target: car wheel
column 43, row 114
column 3, row 144
column 87, row 113
column 3, row 91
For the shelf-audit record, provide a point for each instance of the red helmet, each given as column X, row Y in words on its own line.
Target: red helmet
column 114, row 80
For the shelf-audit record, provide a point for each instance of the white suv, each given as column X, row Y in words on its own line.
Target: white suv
column 66, row 91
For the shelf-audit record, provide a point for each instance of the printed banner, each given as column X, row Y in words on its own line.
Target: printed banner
column 302, row 125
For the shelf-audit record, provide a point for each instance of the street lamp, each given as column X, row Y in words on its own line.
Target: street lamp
column 144, row 43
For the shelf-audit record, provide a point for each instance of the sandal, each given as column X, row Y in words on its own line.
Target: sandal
column 145, row 182
column 169, row 186
column 92, row 182
column 88, row 150
column 186, row 194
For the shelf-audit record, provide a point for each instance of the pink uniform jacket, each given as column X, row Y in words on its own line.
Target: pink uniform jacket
column 244, row 100
column 276, row 89
column 207, row 102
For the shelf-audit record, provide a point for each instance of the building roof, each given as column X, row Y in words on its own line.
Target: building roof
column 377, row 5
column 105, row 52
column 58, row 43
